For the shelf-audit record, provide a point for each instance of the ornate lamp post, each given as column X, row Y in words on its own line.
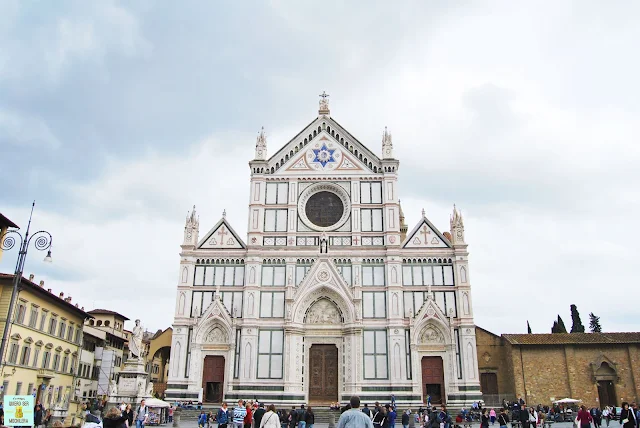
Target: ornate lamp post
column 42, row 242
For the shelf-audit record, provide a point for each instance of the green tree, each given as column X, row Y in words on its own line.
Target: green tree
column 561, row 328
column 576, row 326
column 594, row 323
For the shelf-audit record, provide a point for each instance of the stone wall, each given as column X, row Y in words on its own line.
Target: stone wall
column 541, row 373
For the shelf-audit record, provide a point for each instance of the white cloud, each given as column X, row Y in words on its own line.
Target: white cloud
column 18, row 129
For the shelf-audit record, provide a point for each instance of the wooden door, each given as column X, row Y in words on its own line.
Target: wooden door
column 433, row 379
column 213, row 378
column 489, row 383
column 323, row 374
column 607, row 393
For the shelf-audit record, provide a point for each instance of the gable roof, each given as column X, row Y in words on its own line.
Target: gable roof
column 413, row 240
column 572, row 338
column 219, row 241
column 323, row 126
column 5, row 222
column 107, row 312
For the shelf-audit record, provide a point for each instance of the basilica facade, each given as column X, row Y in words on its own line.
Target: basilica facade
column 330, row 295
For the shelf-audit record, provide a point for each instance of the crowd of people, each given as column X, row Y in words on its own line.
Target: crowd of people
column 248, row 414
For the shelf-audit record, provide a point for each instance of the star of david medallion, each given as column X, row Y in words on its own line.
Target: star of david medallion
column 323, row 155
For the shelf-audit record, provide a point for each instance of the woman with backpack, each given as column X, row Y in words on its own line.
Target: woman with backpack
column 379, row 418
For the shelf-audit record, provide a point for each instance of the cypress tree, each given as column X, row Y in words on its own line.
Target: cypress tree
column 561, row 328
column 528, row 327
column 554, row 329
column 576, row 326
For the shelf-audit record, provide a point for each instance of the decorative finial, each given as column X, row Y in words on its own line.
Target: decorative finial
column 224, row 213
column 261, row 145
column 387, row 145
column 324, row 104
column 423, row 213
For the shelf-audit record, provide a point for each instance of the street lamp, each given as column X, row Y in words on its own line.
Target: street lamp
column 42, row 242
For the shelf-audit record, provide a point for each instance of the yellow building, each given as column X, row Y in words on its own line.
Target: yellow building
column 5, row 224
column 44, row 345
column 157, row 359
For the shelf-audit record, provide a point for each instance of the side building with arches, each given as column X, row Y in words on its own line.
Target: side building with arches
column 329, row 294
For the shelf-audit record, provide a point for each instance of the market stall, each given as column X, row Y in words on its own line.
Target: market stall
column 158, row 411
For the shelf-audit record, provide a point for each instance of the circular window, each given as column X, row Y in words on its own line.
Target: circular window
column 324, row 206
column 324, row 209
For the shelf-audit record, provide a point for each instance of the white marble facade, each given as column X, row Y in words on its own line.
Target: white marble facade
column 326, row 261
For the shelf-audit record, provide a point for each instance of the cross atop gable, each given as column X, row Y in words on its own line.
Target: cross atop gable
column 221, row 237
column 425, row 235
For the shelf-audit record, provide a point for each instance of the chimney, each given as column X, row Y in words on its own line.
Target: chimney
column 31, row 277
column 69, row 299
column 49, row 290
column 42, row 283
column 76, row 305
column 82, row 308
column 61, row 295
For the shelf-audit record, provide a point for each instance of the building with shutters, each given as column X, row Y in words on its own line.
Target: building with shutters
column 329, row 294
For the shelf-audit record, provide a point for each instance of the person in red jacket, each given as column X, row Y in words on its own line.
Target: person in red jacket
column 584, row 417
column 248, row 417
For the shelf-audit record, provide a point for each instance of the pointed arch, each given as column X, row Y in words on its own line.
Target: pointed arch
column 176, row 359
column 247, row 360
column 181, row 302
column 471, row 365
column 185, row 274
column 395, row 305
column 463, row 274
column 396, row 361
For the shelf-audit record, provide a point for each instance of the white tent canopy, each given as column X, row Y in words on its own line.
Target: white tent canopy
column 154, row 402
column 567, row 401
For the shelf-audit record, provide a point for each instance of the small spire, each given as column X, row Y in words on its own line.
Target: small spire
column 261, row 145
column 387, row 145
column 423, row 213
column 224, row 213
column 324, row 104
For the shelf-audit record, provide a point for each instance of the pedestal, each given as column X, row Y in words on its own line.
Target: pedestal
column 133, row 383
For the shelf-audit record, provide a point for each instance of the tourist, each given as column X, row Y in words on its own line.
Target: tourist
column 406, row 417
column 484, row 422
column 142, row 415
column 523, row 416
column 38, row 416
column 301, row 422
column 584, row 418
column 628, row 418
column 533, row 417
column 170, row 414
column 492, row 416
column 606, row 414
column 270, row 419
column 366, row 410
column 380, row 418
column 114, row 418
column 428, row 400
column 202, row 419
column 284, row 418
column 128, row 412
column 248, row 417
column 354, row 418
column 293, row 418
column 222, row 417
column 392, row 416
column 258, row 414
column 444, row 416
column 239, row 412
column 503, row 418
column 309, row 417
column 596, row 414
column 393, row 400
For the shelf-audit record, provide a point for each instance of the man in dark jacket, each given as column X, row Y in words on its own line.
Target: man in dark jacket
column 258, row 414
column 38, row 416
column 523, row 416
column 293, row 418
column 405, row 419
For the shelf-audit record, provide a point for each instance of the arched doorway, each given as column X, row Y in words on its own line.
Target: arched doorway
column 433, row 379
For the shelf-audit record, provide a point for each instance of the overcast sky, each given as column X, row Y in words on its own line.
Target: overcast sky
column 118, row 117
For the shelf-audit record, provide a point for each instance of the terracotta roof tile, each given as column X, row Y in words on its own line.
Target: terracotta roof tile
column 572, row 338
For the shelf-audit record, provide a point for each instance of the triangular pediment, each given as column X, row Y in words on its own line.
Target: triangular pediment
column 221, row 237
column 324, row 146
column 425, row 235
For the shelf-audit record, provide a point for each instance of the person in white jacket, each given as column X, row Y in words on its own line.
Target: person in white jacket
column 271, row 418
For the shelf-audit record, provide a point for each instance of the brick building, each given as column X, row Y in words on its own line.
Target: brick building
column 598, row 368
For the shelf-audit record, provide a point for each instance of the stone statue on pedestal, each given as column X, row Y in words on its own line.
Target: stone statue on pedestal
column 135, row 344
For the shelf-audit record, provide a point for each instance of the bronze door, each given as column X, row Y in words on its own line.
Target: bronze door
column 433, row 379
column 323, row 374
column 213, row 378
